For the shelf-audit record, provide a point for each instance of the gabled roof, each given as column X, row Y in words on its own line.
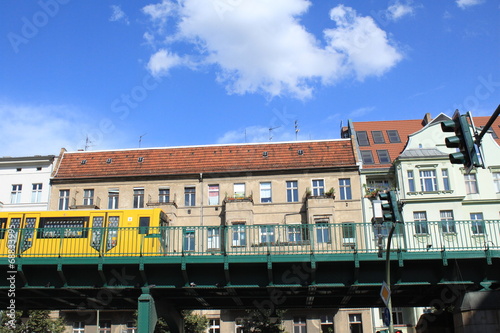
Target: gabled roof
column 206, row 159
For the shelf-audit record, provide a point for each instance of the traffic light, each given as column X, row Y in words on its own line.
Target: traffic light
column 390, row 210
column 463, row 140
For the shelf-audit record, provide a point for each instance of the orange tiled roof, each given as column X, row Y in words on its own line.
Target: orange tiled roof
column 404, row 128
column 206, row 159
column 481, row 121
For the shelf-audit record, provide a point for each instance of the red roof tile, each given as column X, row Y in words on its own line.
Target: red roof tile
column 206, row 159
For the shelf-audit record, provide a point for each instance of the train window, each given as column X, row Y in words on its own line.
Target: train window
column 144, row 225
column 3, row 225
column 112, row 240
column 27, row 235
column 15, row 224
column 67, row 227
column 97, row 231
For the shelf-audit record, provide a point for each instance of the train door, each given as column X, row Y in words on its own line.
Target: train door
column 27, row 235
column 97, row 227
column 114, row 238
column 11, row 224
column 4, row 233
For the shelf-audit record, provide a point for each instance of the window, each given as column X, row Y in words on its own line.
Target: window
column 393, row 136
column 477, row 223
column 397, row 316
column 15, row 196
column 348, row 234
column 299, row 325
column 36, row 193
column 266, row 234
column 214, row 326
column 213, row 235
column 213, row 195
column 327, row 324
column 239, row 235
column 355, row 323
column 131, row 328
column 322, row 230
column 104, row 326
column 139, row 197
column 292, row 191
column 113, row 194
column 78, row 327
column 446, row 179
column 88, row 197
column 470, row 183
column 265, row 192
column 496, row 181
column 345, row 189
column 411, row 181
column 420, row 219
column 238, row 322
column 318, row 186
column 428, row 180
column 294, row 234
column 189, row 196
column 63, row 199
column 164, row 195
column 447, row 221
column 189, row 238
column 239, row 190
column 383, row 156
column 378, row 137
column 113, row 224
column 378, row 184
column 367, row 157
column 362, row 138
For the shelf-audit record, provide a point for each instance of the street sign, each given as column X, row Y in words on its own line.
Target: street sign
column 385, row 293
column 387, row 317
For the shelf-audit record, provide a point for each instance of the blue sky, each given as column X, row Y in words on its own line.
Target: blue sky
column 129, row 74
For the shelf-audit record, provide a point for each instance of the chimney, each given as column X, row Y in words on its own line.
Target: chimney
column 427, row 119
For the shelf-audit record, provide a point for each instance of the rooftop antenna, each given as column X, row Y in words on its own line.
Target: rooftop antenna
column 271, row 132
column 140, row 139
column 87, row 143
column 297, row 130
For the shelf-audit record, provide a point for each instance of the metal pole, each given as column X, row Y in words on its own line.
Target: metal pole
column 488, row 125
column 388, row 276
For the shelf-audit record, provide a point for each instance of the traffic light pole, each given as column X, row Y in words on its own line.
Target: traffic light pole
column 487, row 126
column 388, row 275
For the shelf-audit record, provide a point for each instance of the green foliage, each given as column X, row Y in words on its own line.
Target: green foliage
column 161, row 326
column 262, row 321
column 38, row 321
column 194, row 323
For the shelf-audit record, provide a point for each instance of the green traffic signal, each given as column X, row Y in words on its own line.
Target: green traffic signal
column 463, row 140
column 390, row 210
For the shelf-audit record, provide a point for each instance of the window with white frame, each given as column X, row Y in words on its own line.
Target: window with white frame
column 355, row 323
column 411, row 181
column 213, row 234
column 266, row 234
column 447, row 221
column 348, row 234
column 113, row 195
column 470, row 183
column 189, row 196
column 63, row 199
column 446, row 179
column 295, row 234
column 428, row 180
column 164, row 195
column 88, row 197
column 139, row 197
column 326, row 324
column 496, row 181
column 421, row 226
column 78, row 327
column 318, row 187
column 213, row 194
column 238, row 325
column 292, row 191
column 345, row 189
column 189, row 239
column 322, row 229
column 36, row 193
column 239, row 190
column 131, row 327
column 214, row 326
column 265, row 192
column 478, row 226
column 239, row 234
column 299, row 325
column 15, row 195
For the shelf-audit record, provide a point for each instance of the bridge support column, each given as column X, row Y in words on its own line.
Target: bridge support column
column 479, row 312
column 146, row 317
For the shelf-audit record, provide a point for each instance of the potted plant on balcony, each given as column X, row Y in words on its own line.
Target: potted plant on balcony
column 370, row 192
column 330, row 193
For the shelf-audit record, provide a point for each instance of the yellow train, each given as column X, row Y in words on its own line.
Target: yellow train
column 82, row 233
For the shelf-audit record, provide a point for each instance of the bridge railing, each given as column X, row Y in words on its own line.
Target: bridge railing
column 240, row 239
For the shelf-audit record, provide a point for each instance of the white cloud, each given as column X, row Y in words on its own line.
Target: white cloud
column 118, row 14
column 399, row 9
column 468, row 3
column 260, row 46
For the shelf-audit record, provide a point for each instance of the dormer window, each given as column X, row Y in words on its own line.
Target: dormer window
column 109, row 160
column 140, row 159
column 83, row 162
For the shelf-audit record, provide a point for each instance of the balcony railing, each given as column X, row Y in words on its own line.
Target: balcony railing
column 250, row 239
